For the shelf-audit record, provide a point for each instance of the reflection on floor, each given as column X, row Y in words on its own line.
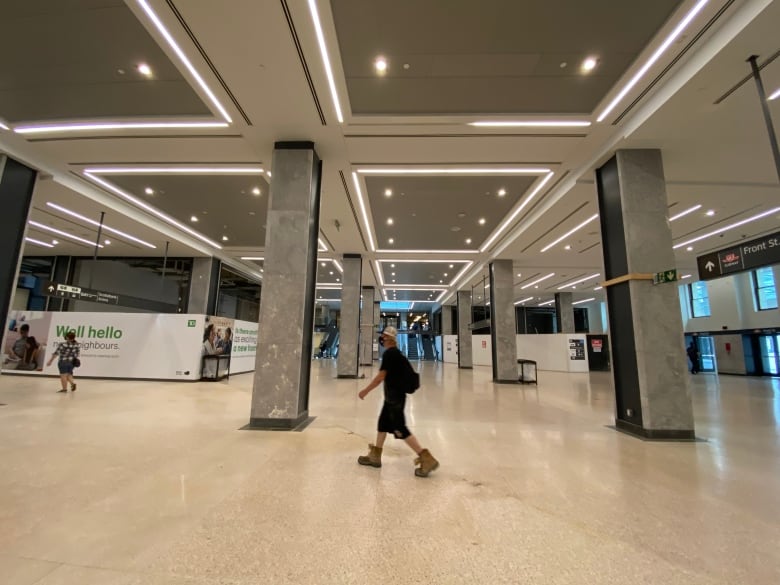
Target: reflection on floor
column 153, row 483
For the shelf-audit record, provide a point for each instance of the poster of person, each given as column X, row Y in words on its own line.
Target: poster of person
column 25, row 339
column 217, row 342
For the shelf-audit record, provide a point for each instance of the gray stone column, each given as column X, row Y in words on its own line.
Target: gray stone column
column 503, row 328
column 367, row 326
column 204, row 286
column 16, row 188
column 648, row 351
column 464, row 329
column 446, row 320
column 564, row 312
column 349, row 328
column 280, row 394
column 377, row 320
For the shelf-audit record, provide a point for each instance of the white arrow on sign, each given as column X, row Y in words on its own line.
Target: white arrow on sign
column 51, row 288
column 709, row 266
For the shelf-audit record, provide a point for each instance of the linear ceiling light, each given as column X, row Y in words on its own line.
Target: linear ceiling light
column 338, row 266
column 567, row 234
column 726, row 228
column 153, row 210
column 422, row 261
column 47, row 228
column 323, row 246
column 684, row 213
column 547, row 303
column 454, row 171
column 584, row 301
column 102, row 226
column 531, row 124
column 3, row 126
column 508, row 221
column 415, row 287
column 524, row 301
column 328, row 285
column 252, row 258
column 51, row 128
column 207, row 170
column 652, row 60
column 543, row 278
column 38, row 242
column 379, row 273
column 363, row 208
column 775, row 95
column 315, row 16
column 388, row 251
column 179, row 53
column 576, row 282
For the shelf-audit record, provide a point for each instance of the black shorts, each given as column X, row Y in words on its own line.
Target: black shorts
column 392, row 420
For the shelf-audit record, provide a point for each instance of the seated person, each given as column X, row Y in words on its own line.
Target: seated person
column 25, row 350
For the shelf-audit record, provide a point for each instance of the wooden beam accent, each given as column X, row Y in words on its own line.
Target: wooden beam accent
column 627, row 277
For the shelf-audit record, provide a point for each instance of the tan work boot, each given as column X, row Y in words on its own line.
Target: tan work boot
column 374, row 457
column 426, row 462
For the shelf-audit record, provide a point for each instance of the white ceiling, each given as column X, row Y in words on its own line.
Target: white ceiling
column 273, row 86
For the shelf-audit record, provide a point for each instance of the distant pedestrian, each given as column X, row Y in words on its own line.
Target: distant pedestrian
column 392, row 420
column 68, row 352
column 693, row 356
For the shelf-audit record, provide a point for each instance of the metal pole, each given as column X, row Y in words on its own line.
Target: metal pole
column 165, row 260
column 770, row 128
column 97, row 246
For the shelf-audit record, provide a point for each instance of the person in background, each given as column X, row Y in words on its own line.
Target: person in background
column 25, row 350
column 68, row 352
column 693, row 355
column 225, row 343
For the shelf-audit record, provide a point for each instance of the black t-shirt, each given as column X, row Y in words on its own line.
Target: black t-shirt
column 394, row 363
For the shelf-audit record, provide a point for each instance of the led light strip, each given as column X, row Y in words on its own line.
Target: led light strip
column 684, row 276
column 379, row 272
column 531, row 124
column 415, row 287
column 576, row 282
column 338, row 266
column 38, row 242
column 726, row 228
column 453, row 171
column 524, row 301
column 775, row 95
column 315, row 16
column 329, row 285
column 652, row 60
column 547, row 303
column 252, row 258
column 3, row 126
column 184, row 170
column 152, row 210
column 47, row 228
column 570, row 232
column 537, row 281
column 507, row 222
column 363, row 212
column 584, row 301
column 684, row 213
column 51, row 128
column 97, row 223
column 164, row 32
column 388, row 251
column 323, row 246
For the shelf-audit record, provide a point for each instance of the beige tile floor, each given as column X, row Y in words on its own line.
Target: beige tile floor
column 152, row 483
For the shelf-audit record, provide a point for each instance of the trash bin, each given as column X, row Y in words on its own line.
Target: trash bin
column 527, row 371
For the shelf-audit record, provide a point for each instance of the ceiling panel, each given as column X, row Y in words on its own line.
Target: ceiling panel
column 441, row 213
column 397, row 294
column 454, row 56
column 86, row 54
column 420, row 273
column 225, row 205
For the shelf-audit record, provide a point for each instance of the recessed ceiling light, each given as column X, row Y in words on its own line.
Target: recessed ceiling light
column 501, row 192
column 54, row 242
column 107, row 242
column 380, row 64
column 567, row 247
column 452, row 266
column 392, row 266
column 689, row 248
column 710, row 213
column 468, row 240
column 338, row 280
column 389, row 221
column 482, row 221
column 589, row 64
column 441, row 282
column 194, row 218
column 390, row 241
column 330, row 272
column 224, row 238
column 519, row 274
column 392, row 274
column 149, row 191
column 256, row 191
column 445, row 274
column 144, row 69
column 322, row 263
column 684, row 213
column 388, row 192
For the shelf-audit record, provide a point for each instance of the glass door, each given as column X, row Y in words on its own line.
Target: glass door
column 707, row 354
column 768, row 345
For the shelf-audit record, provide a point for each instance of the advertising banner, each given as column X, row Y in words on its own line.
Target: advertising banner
column 244, row 347
column 114, row 345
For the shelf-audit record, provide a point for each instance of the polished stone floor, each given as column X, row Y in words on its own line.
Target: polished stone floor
column 154, row 483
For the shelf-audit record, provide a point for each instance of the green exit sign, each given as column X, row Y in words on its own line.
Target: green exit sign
column 191, row 323
column 665, row 276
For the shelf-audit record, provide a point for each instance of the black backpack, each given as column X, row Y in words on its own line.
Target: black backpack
column 411, row 379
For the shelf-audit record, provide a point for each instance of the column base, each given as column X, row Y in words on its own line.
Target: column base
column 349, row 376
column 465, row 367
column 681, row 435
column 279, row 424
column 510, row 381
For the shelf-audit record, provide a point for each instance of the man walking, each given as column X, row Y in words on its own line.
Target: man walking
column 391, row 419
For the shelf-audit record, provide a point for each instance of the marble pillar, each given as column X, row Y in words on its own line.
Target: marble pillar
column 349, row 328
column 503, row 328
column 17, row 182
column 204, row 286
column 367, row 326
column 564, row 312
column 446, row 320
column 280, row 394
column 377, row 321
column 649, row 366
column 464, row 329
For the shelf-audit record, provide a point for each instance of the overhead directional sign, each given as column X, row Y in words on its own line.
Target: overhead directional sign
column 746, row 256
column 76, row 293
